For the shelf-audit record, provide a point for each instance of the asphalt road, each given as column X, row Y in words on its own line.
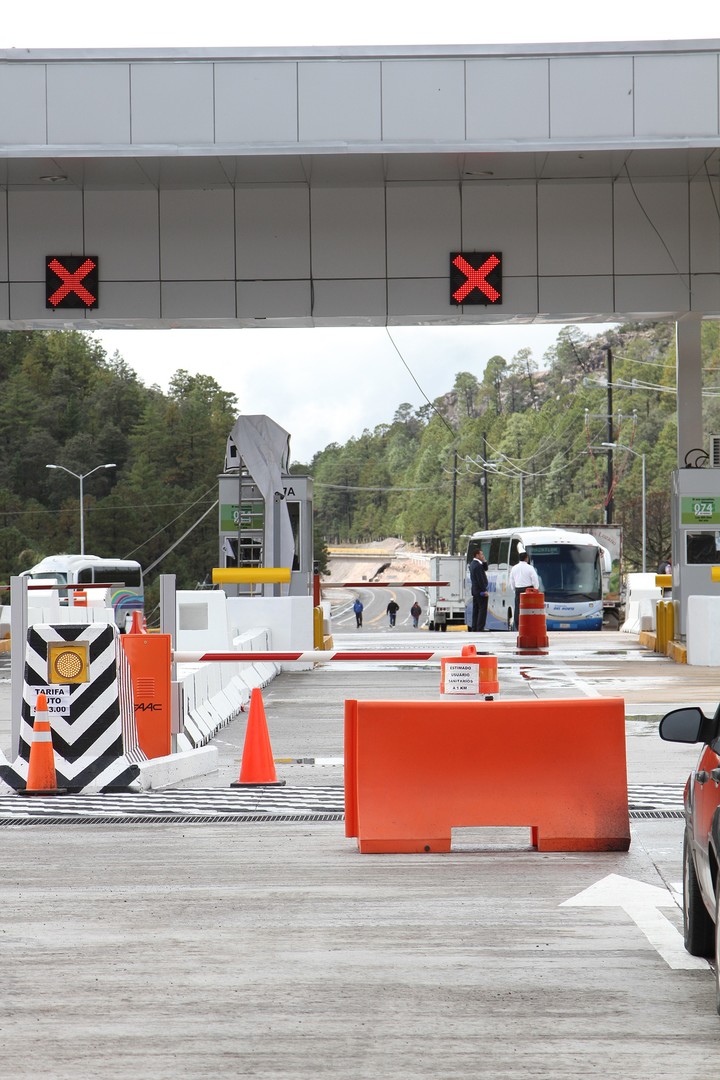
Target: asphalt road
column 375, row 602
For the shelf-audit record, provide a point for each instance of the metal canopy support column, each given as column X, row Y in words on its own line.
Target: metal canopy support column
column 168, row 625
column 689, row 386
column 18, row 636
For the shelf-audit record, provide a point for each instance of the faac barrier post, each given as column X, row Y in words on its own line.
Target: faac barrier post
column 416, row 770
column 149, row 656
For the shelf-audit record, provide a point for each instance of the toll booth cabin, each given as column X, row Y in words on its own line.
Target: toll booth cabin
column 247, row 531
column 695, row 537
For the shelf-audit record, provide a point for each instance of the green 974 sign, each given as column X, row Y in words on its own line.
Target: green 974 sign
column 249, row 515
column 699, row 510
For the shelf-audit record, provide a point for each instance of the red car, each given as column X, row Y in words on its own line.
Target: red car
column 701, row 844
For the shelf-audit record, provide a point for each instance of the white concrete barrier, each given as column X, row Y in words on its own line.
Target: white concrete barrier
column 703, row 631
column 214, row 694
column 288, row 620
column 642, row 597
column 165, row 771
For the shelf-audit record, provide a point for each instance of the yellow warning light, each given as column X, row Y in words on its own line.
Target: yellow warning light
column 68, row 662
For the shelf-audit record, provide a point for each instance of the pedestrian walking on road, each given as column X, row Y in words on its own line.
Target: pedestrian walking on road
column 479, row 586
column 416, row 612
column 358, row 609
column 392, row 610
column 523, row 576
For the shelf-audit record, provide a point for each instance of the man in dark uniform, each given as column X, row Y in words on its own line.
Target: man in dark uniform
column 479, row 585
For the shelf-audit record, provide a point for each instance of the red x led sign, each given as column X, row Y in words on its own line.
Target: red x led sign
column 475, row 277
column 71, row 281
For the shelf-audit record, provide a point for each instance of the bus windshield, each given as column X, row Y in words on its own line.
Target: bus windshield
column 567, row 571
column 50, row 575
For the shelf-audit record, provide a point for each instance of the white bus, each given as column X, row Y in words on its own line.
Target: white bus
column 570, row 567
column 123, row 577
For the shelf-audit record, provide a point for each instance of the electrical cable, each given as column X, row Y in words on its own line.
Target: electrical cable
column 712, row 190
column 656, row 231
column 432, row 406
column 172, row 522
column 353, row 487
column 179, row 539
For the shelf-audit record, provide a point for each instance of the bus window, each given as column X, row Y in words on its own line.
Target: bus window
column 473, row 546
column 567, row 572
column 85, row 576
column 503, row 556
column 514, row 544
column 492, row 554
column 128, row 576
column 51, row 575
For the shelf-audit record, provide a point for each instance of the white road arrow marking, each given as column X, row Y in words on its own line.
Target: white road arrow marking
column 642, row 903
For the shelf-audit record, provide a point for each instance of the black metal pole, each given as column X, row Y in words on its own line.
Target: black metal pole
column 610, row 471
column 454, row 504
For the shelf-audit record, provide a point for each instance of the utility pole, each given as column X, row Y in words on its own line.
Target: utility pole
column 485, row 482
column 610, row 439
column 454, row 503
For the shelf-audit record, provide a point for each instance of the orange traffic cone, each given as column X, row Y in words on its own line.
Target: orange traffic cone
column 257, row 768
column 41, row 768
column 137, row 623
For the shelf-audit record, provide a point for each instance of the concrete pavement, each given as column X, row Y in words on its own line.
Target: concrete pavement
column 276, row 950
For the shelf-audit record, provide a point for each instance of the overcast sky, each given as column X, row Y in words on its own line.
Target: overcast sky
column 326, row 385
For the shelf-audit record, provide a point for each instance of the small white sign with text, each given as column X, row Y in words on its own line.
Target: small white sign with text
column 57, row 697
column 461, row 678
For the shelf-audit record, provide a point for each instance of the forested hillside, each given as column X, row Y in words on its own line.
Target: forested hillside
column 64, row 401
column 538, row 424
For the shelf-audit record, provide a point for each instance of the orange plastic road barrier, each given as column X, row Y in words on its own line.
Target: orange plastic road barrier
column 258, row 765
column 416, row 770
column 149, row 656
column 42, row 779
column 79, row 598
column 469, row 673
column 532, row 624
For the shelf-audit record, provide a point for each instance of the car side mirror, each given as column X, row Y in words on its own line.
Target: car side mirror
column 688, row 726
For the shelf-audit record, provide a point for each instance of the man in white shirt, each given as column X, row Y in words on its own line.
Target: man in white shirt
column 522, row 576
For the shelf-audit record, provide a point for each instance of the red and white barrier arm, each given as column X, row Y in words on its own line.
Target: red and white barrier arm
column 312, row 656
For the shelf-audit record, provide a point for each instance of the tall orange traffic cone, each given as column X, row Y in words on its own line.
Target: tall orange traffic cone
column 137, row 623
column 41, row 768
column 257, row 768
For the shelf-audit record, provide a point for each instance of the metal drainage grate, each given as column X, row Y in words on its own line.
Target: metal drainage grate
column 165, row 819
column 641, row 815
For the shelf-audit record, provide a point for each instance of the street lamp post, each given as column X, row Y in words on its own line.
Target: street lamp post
column 81, row 477
column 629, row 449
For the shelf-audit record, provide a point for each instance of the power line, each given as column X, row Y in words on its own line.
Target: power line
column 432, row 406
column 353, row 487
column 177, row 518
